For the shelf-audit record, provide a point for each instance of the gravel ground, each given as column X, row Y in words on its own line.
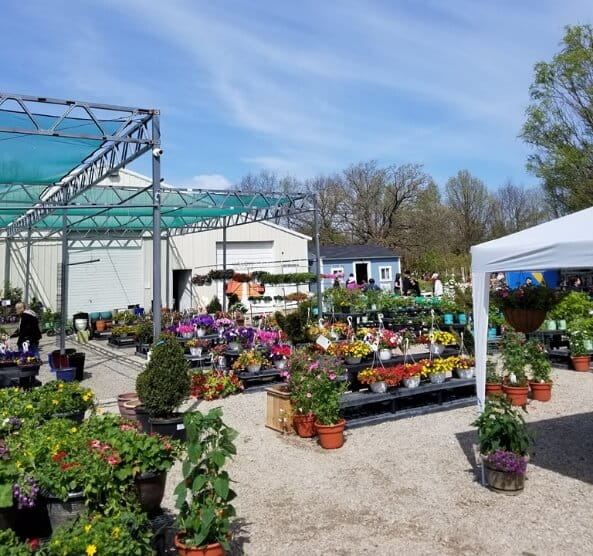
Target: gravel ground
column 406, row 486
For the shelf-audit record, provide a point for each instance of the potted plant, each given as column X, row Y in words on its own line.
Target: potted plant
column 525, row 307
column 196, row 346
column 374, row 378
column 437, row 369
column 326, row 392
column 411, row 374
column 186, row 331
column 579, row 354
column 541, row 371
column 123, row 532
column 504, row 445
column 437, row 340
column 163, row 386
column 280, row 354
column 388, row 342
column 251, row 360
column 493, row 379
column 299, row 379
column 514, row 358
column 67, row 400
column 355, row 350
column 204, row 324
column 204, row 495
column 464, row 367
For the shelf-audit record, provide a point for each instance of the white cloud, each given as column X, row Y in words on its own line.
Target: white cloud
column 211, row 181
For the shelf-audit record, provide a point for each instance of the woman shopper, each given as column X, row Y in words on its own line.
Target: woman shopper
column 28, row 330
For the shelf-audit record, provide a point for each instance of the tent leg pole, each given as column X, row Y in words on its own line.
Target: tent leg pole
column 317, row 257
column 28, row 267
column 156, row 229
column 64, row 285
column 224, row 265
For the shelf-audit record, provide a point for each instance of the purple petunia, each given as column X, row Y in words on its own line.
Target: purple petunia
column 508, row 462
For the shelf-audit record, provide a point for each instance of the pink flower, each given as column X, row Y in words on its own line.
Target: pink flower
column 332, row 376
column 309, row 394
column 112, row 460
column 314, row 365
column 95, row 444
column 124, row 427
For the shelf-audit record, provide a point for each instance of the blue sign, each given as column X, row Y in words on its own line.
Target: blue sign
column 549, row 277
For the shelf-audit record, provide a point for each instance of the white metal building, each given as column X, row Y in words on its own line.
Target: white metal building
column 115, row 273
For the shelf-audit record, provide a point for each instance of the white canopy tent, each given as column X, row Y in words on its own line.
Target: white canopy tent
column 566, row 242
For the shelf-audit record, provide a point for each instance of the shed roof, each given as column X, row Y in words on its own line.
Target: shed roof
column 336, row 252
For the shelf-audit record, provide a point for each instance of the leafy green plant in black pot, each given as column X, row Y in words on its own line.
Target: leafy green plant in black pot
column 214, row 306
column 204, row 495
column 163, row 386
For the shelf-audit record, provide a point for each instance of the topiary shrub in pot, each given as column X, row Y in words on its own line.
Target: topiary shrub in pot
column 163, row 386
column 204, row 495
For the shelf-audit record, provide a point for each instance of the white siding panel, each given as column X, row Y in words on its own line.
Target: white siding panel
column 115, row 281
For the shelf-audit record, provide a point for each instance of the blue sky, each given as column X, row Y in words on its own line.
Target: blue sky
column 301, row 87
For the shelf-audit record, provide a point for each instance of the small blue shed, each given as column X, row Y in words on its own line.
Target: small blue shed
column 363, row 261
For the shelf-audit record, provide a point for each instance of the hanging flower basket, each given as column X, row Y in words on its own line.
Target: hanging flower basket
column 524, row 320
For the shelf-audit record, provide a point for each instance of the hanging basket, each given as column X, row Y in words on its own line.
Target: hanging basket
column 525, row 320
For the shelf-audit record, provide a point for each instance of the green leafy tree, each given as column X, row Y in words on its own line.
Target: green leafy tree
column 560, row 122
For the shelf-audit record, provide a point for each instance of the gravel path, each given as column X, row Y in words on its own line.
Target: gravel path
column 401, row 487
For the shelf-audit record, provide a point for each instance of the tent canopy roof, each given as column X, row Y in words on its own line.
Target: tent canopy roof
column 566, row 242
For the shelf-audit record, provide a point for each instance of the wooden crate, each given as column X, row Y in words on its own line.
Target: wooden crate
column 278, row 409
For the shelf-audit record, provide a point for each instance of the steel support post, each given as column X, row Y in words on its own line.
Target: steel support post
column 167, row 269
column 156, row 227
column 224, row 298
column 64, row 285
column 28, row 267
column 317, row 257
column 7, row 264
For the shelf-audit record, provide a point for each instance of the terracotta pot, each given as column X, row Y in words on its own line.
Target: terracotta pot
column 541, row 391
column 581, row 363
column 208, row 550
column 304, row 425
column 126, row 411
column 516, row 394
column 493, row 389
column 331, row 436
column 100, row 325
column 524, row 320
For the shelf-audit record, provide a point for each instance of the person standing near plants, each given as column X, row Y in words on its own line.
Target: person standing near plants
column 28, row 330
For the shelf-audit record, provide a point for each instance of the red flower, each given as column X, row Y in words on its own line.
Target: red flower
column 67, row 466
column 33, row 544
column 113, row 460
column 59, row 456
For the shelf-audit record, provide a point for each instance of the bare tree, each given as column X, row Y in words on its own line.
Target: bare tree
column 515, row 208
column 470, row 203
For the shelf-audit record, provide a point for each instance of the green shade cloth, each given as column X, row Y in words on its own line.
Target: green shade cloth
column 45, row 159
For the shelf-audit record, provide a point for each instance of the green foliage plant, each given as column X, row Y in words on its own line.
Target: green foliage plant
column 204, row 496
column 214, row 306
column 514, row 356
column 577, row 336
column 492, row 374
column 165, row 382
column 326, row 389
column 501, row 427
column 574, row 305
column 144, row 332
column 541, row 368
column 12, row 545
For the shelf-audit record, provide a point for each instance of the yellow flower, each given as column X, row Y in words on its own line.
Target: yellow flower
column 18, row 464
column 87, row 527
column 55, row 402
column 87, row 396
column 73, row 429
column 91, row 549
column 115, row 533
column 29, row 406
column 61, row 385
column 100, row 411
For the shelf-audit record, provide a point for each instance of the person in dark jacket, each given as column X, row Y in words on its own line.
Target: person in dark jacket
column 28, row 328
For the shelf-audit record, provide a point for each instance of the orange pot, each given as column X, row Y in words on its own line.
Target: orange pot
column 304, row 425
column 207, row 550
column 581, row 363
column 517, row 394
column 493, row 389
column 100, row 325
column 331, row 436
column 541, row 391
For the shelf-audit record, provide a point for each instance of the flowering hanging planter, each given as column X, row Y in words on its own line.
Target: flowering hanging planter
column 524, row 320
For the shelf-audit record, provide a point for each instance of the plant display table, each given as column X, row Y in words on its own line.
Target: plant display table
column 361, row 408
column 125, row 342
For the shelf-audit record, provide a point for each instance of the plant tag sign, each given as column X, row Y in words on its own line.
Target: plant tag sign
column 180, row 426
column 323, row 342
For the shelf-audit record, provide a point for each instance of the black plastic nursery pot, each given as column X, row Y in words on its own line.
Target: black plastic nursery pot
column 172, row 426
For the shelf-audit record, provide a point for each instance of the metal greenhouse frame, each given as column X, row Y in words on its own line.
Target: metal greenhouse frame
column 74, row 205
